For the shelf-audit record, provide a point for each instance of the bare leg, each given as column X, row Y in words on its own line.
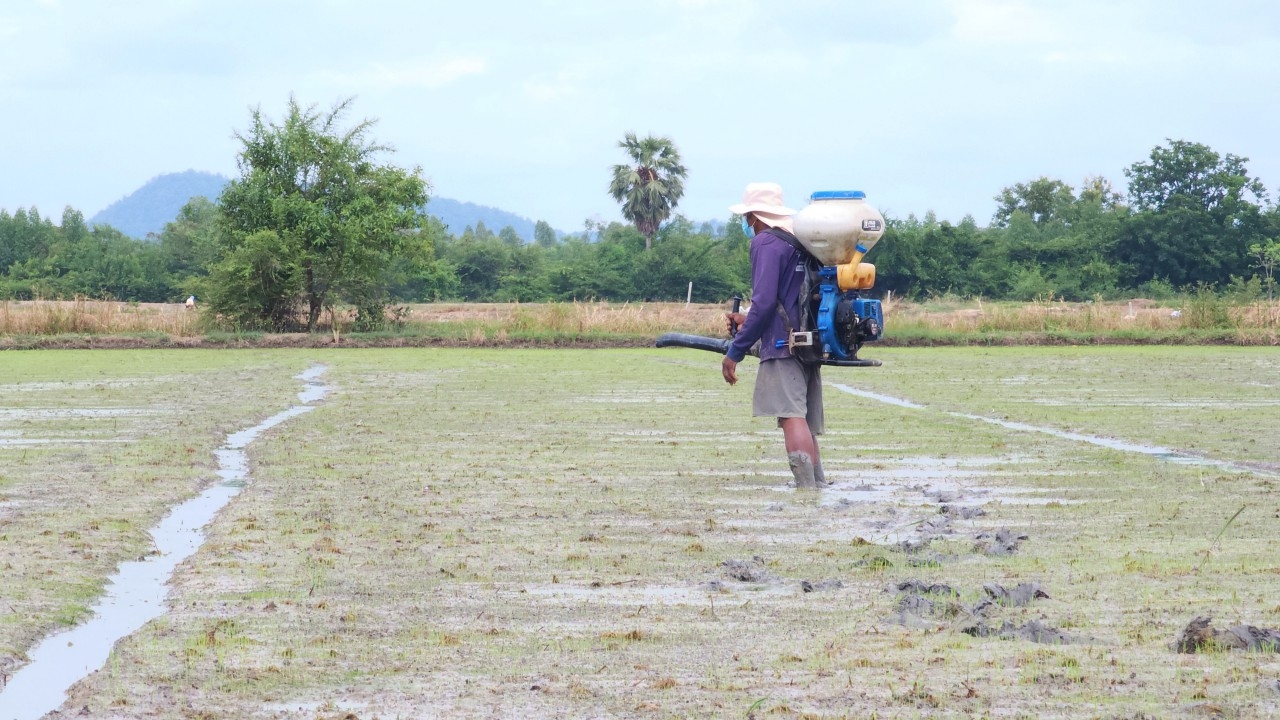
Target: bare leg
column 796, row 436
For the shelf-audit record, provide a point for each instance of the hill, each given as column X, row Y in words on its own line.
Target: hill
column 147, row 209
column 459, row 215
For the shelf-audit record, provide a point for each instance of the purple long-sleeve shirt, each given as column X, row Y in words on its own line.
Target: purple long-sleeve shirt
column 777, row 272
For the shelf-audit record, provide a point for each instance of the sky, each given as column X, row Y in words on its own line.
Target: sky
column 925, row 105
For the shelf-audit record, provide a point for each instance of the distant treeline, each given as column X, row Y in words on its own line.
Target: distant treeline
column 1191, row 218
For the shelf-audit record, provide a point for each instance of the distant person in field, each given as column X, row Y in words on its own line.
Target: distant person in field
column 191, row 302
column 785, row 388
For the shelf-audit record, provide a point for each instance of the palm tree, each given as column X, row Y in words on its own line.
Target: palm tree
column 649, row 188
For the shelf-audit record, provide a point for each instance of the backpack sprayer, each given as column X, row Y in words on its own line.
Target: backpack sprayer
column 837, row 229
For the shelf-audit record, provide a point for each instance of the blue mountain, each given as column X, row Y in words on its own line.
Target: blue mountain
column 148, row 209
column 459, row 215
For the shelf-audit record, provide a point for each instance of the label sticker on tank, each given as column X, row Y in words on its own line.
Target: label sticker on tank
column 871, row 225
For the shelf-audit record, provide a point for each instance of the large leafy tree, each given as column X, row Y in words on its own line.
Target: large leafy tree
column 1043, row 199
column 1197, row 213
column 314, row 219
column 1186, row 171
column 651, row 185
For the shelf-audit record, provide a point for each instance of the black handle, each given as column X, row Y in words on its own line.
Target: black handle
column 733, row 324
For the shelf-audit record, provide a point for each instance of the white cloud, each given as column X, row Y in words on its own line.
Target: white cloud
column 562, row 87
column 1002, row 22
column 427, row 74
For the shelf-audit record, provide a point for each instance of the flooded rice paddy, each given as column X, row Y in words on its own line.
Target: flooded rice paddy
column 522, row 533
column 136, row 592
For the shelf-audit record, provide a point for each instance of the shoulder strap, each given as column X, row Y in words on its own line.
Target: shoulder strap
column 793, row 241
column 811, row 266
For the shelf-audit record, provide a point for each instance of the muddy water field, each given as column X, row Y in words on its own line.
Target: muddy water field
column 451, row 533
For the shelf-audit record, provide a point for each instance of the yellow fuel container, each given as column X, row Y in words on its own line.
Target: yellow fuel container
column 856, row 276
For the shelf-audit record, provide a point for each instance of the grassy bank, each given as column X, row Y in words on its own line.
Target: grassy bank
column 1202, row 319
column 529, row 533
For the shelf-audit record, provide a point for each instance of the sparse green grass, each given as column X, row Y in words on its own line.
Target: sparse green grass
column 478, row 533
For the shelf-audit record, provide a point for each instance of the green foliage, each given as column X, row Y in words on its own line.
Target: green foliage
column 189, row 244
column 1042, row 199
column 651, row 185
column 312, row 220
column 1194, row 172
column 1266, row 257
column 48, row 261
column 255, row 284
column 1206, row 310
column 315, row 221
column 1197, row 214
column 1157, row 289
column 1241, row 291
column 544, row 235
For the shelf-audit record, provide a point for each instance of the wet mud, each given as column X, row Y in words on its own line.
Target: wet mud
column 137, row 592
column 1200, row 636
column 1001, row 543
column 1154, row 451
column 821, row 585
column 935, row 605
column 752, row 571
column 1032, row 631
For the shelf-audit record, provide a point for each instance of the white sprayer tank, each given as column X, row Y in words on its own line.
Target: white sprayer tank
column 837, row 226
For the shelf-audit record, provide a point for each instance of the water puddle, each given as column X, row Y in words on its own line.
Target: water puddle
column 1155, row 451
column 878, row 397
column 136, row 594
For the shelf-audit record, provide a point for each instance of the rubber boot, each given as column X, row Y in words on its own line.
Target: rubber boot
column 819, row 477
column 802, row 469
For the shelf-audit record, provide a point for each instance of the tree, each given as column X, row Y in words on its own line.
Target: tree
column 1097, row 189
column 189, row 243
column 651, row 186
column 543, row 235
column 1197, row 213
column 1266, row 257
column 1043, row 199
column 1195, row 172
column 509, row 236
column 312, row 220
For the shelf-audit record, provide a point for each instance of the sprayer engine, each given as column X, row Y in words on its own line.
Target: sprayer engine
column 845, row 320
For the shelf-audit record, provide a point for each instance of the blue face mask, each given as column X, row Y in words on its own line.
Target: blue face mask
column 746, row 228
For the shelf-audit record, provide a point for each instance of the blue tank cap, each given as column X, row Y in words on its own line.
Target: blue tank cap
column 838, row 195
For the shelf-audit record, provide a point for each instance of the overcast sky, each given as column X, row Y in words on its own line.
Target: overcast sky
column 924, row 104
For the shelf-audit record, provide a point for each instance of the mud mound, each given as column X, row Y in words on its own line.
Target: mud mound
column 821, row 586
column 1020, row 596
column 1001, row 543
column 1199, row 636
column 924, row 604
column 752, row 571
column 1033, row 631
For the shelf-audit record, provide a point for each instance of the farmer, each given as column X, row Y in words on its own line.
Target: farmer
column 785, row 388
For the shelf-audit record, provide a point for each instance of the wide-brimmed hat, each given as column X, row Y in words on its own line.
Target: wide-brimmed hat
column 764, row 198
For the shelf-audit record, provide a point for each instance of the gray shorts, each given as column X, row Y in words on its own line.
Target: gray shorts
column 787, row 388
